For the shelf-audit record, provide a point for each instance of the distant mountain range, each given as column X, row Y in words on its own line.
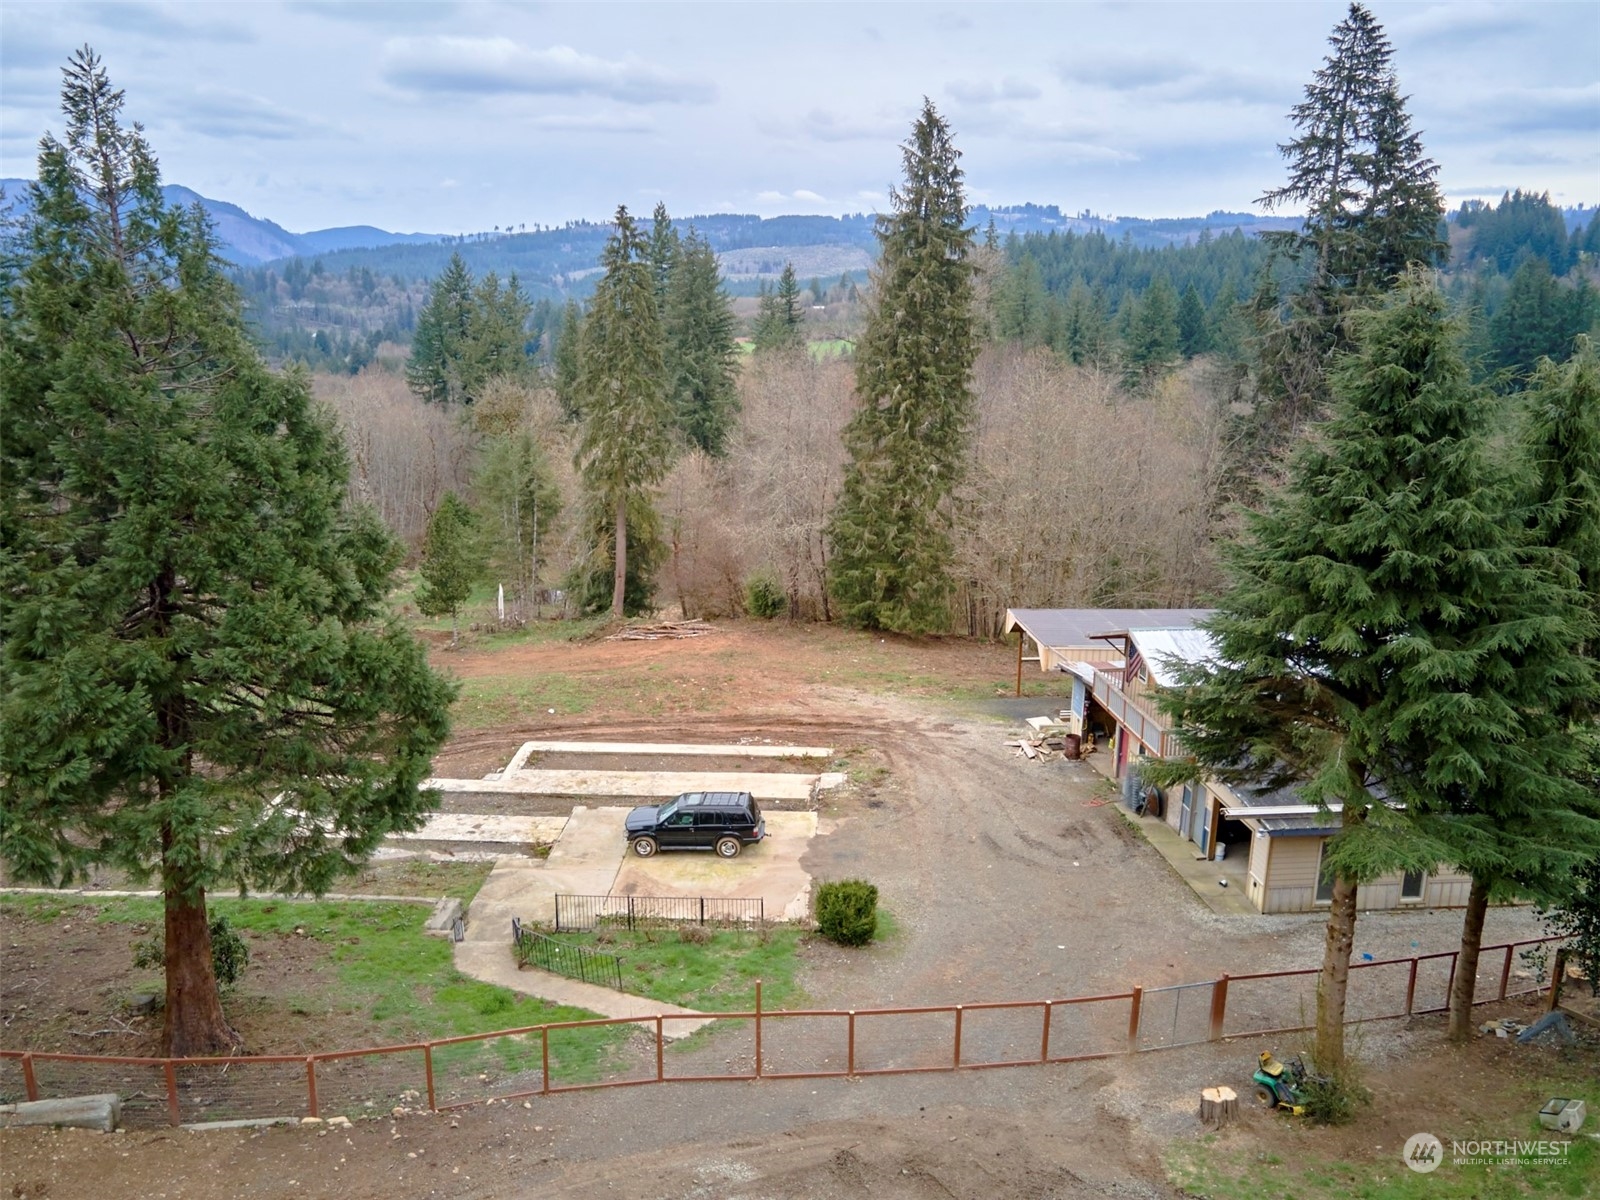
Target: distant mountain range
column 250, row 241
column 553, row 260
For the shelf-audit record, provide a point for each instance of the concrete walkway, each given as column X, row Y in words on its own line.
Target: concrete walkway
column 584, row 861
column 1200, row 874
column 492, row 962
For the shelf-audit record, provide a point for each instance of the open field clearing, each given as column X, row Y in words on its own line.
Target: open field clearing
column 1006, row 880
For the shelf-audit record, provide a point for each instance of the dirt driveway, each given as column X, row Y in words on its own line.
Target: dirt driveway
column 1006, row 880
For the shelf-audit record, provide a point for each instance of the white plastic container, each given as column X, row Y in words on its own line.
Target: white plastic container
column 1564, row 1116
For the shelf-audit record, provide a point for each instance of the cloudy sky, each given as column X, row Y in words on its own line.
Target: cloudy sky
column 450, row 117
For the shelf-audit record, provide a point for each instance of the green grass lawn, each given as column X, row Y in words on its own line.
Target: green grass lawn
column 1210, row 1168
column 715, row 976
column 489, row 700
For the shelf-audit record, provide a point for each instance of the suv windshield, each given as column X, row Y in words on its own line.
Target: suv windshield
column 666, row 810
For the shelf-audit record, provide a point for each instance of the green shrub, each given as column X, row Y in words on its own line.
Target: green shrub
column 1333, row 1099
column 847, row 912
column 763, row 597
column 230, row 954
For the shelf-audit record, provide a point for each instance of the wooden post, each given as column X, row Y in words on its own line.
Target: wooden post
column 427, row 1067
column 1560, row 969
column 758, row 1029
column 544, row 1058
column 1218, row 1106
column 311, row 1086
column 1219, row 1007
column 1022, row 640
column 1133, row 1018
column 1411, row 986
column 850, row 1058
column 1044, row 1039
column 28, row 1081
column 956, row 1063
column 1505, row 971
column 174, row 1111
column 661, row 1070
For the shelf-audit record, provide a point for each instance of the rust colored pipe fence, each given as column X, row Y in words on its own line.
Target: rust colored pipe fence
column 1123, row 1027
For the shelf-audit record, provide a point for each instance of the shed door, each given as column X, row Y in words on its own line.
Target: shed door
column 1186, row 812
column 1205, row 828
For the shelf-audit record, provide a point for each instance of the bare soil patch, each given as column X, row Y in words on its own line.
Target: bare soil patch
column 1005, row 881
column 67, row 986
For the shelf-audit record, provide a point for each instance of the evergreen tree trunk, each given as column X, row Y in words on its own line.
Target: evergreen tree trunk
column 619, row 580
column 1335, row 978
column 195, row 1026
column 1465, row 985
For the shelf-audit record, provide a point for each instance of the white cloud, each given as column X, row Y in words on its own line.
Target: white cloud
column 500, row 66
column 224, row 113
column 984, row 91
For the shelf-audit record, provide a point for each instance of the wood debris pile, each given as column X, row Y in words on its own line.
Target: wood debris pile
column 1047, row 739
column 661, row 631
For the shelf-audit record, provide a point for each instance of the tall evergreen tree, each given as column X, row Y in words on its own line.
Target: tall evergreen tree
column 907, row 442
column 626, row 447
column 519, row 504
column 702, row 354
column 1372, row 207
column 1150, row 342
column 496, row 346
column 1194, row 330
column 1368, row 629
column 200, row 679
column 1085, row 336
column 1530, row 820
column 664, row 248
column 1561, row 460
column 444, row 327
column 452, row 562
column 1538, row 318
column 568, row 362
column 1022, row 307
column 779, row 321
column 467, row 334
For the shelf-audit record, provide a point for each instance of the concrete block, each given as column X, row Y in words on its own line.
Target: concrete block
column 443, row 917
column 101, row 1111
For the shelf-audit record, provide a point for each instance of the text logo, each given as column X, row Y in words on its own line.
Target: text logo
column 1423, row 1152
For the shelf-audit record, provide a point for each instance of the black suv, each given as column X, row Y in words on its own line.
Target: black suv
column 724, row 821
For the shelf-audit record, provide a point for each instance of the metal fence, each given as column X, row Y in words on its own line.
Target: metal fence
column 575, row 962
column 788, row 1044
column 583, row 913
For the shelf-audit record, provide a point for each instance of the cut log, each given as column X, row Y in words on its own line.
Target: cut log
column 101, row 1112
column 1218, row 1106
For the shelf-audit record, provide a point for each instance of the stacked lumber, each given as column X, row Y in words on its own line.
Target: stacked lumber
column 662, row 631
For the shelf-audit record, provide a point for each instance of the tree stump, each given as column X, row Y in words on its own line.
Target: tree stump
column 1218, row 1106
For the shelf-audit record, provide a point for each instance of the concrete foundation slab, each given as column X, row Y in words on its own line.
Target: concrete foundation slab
column 679, row 749
column 477, row 830
column 644, row 785
column 770, row 870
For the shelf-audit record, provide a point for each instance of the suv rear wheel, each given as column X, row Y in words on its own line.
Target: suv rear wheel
column 729, row 847
column 644, row 847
